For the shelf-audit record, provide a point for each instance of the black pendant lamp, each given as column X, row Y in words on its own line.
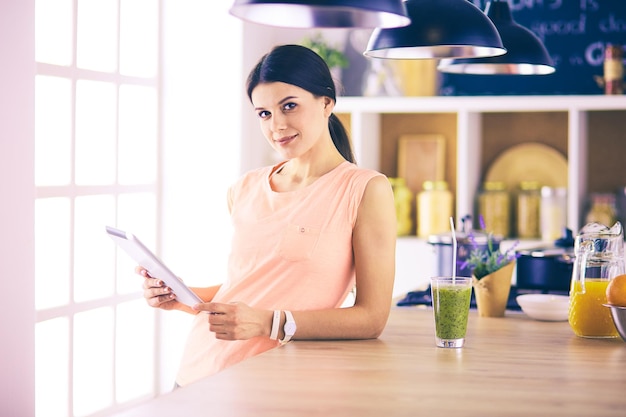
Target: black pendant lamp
column 525, row 55
column 322, row 14
column 438, row 29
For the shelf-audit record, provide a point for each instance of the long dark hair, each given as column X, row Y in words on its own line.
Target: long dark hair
column 302, row 67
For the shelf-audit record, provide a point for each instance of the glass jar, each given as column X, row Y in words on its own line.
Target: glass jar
column 434, row 208
column 528, row 205
column 602, row 209
column 494, row 207
column 403, row 198
column 553, row 213
column 613, row 69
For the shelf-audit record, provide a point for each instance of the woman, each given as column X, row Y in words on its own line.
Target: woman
column 306, row 231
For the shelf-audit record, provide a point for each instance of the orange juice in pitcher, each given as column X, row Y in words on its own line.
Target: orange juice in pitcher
column 588, row 317
column 599, row 257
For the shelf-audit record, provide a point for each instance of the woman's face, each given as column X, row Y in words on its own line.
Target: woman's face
column 292, row 119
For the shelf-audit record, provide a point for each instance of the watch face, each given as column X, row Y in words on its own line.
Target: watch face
column 290, row 328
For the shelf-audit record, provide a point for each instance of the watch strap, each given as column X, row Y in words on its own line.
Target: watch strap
column 275, row 325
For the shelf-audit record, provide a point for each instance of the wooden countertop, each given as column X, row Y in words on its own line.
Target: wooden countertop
column 511, row 366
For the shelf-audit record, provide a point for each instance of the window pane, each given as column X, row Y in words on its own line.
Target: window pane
column 53, row 130
column 136, row 213
column 94, row 252
column 52, row 354
column 138, row 37
column 53, row 31
column 93, row 360
column 95, row 132
column 52, row 252
column 137, row 135
column 97, row 35
column 134, row 365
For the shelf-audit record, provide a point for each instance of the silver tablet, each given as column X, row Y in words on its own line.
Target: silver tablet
column 144, row 257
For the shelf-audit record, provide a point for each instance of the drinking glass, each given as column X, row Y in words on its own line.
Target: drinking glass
column 451, row 302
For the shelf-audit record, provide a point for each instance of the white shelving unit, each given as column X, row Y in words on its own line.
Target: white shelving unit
column 415, row 258
column 365, row 113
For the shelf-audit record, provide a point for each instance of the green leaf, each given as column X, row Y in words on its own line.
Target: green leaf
column 333, row 57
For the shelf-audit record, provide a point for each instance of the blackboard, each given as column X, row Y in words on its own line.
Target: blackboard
column 575, row 32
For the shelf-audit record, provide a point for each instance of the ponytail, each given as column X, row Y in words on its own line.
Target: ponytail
column 340, row 138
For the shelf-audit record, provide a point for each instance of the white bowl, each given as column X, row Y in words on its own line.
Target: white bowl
column 546, row 307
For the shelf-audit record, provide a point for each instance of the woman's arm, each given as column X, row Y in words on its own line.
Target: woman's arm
column 373, row 243
column 374, row 246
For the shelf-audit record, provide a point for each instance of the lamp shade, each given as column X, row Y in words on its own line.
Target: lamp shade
column 438, row 29
column 526, row 54
column 322, row 14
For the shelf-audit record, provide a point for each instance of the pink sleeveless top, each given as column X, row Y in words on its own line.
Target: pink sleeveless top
column 290, row 251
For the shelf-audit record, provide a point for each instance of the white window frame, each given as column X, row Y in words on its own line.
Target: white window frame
column 72, row 191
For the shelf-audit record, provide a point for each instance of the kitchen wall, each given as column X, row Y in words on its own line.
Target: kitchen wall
column 17, row 275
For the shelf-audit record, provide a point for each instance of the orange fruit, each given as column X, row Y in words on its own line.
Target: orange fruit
column 616, row 291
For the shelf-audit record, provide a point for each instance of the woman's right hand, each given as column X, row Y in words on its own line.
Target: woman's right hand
column 156, row 293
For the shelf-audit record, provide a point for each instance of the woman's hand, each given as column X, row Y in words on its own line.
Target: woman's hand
column 236, row 321
column 157, row 294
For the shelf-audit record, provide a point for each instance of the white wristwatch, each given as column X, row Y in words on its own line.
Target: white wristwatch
column 289, row 328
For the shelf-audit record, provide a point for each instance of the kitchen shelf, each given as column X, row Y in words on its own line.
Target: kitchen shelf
column 468, row 122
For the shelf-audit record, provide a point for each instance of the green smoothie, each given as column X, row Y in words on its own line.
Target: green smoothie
column 451, row 305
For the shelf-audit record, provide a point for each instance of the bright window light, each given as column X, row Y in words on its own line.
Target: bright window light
column 137, row 155
column 94, row 341
column 134, row 358
column 52, row 252
column 96, row 106
column 97, row 35
column 52, row 359
column 139, row 37
column 53, row 31
column 94, row 269
column 53, row 130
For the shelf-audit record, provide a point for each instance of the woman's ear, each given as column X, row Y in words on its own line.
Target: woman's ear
column 329, row 106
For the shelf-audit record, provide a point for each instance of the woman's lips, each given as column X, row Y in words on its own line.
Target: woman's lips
column 285, row 140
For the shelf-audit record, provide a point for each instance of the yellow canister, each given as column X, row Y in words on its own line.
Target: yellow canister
column 528, row 210
column 403, row 198
column 434, row 208
column 494, row 206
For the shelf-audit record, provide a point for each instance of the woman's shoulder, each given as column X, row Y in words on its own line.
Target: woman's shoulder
column 354, row 171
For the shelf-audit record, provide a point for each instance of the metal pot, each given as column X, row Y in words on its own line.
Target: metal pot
column 546, row 269
column 443, row 247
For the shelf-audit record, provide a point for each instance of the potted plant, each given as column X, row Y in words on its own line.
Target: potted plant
column 492, row 271
column 334, row 58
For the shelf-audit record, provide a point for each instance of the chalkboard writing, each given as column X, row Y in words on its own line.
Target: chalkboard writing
column 575, row 32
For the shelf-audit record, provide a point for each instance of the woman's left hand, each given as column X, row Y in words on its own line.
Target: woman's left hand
column 236, row 321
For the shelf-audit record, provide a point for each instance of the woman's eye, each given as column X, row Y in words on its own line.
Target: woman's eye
column 263, row 114
column 289, row 106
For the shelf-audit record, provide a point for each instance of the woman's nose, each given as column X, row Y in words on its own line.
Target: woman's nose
column 278, row 123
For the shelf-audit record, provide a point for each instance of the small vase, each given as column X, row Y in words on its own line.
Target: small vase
column 492, row 291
